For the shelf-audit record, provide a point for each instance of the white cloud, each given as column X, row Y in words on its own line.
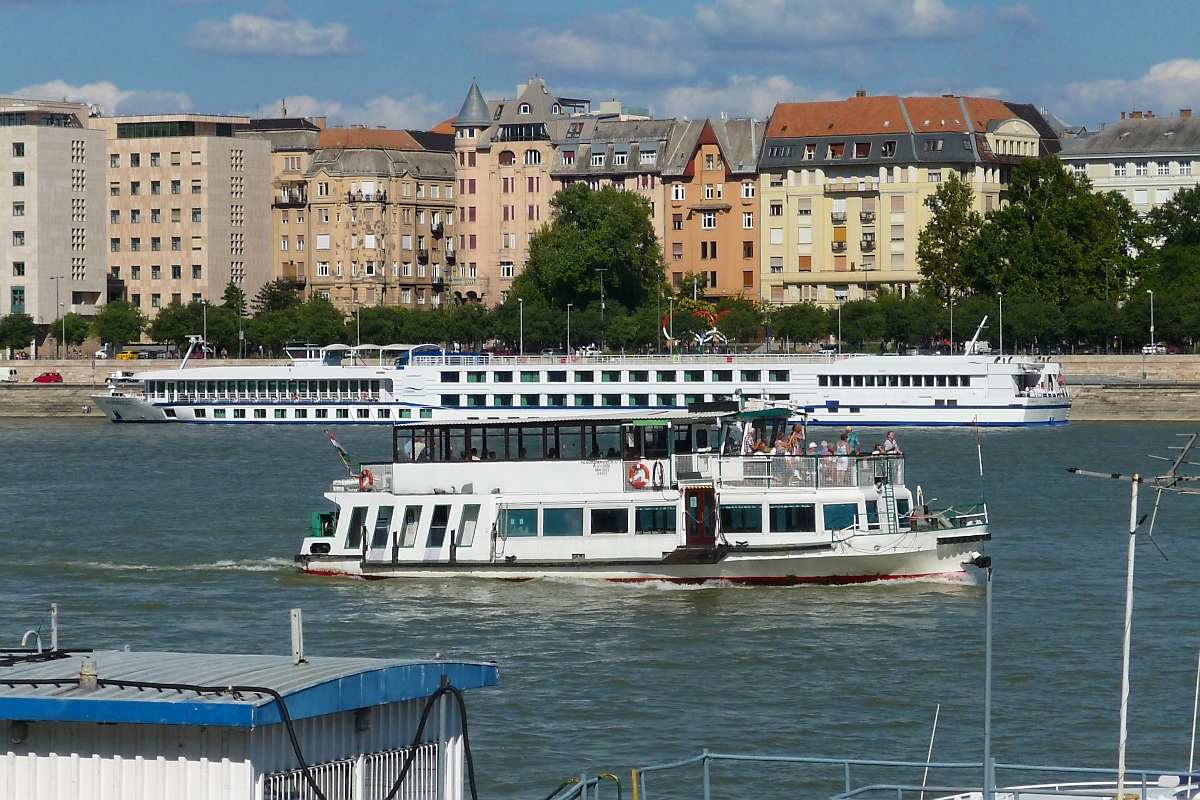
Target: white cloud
column 740, row 97
column 254, row 35
column 784, row 23
column 409, row 111
column 110, row 99
column 1165, row 88
column 1020, row 16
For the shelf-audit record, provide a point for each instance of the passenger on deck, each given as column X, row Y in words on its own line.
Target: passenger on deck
column 749, row 438
column 878, row 451
column 890, row 446
column 474, row 454
column 781, row 446
column 812, row 448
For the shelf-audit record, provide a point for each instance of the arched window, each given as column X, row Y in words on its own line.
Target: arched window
column 556, row 109
column 533, row 157
column 508, row 158
column 524, row 108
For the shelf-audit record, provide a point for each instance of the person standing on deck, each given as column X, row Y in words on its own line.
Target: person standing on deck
column 852, row 441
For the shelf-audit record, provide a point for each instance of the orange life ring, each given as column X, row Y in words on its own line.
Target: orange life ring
column 366, row 479
column 639, row 475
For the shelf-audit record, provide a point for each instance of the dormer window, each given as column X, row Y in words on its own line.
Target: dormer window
column 523, row 108
column 499, row 111
column 556, row 109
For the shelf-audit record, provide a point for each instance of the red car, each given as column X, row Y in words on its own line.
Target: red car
column 48, row 377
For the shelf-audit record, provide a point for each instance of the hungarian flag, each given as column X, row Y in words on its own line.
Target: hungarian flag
column 341, row 450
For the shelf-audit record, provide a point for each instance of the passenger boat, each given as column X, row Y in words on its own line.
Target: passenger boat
column 340, row 384
column 678, row 495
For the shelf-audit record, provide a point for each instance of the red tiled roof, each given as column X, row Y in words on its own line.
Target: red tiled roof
column 367, row 137
column 884, row 114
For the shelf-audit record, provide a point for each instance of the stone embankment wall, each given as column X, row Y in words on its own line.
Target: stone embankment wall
column 81, row 378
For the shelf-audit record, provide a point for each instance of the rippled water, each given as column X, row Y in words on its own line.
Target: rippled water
column 181, row 537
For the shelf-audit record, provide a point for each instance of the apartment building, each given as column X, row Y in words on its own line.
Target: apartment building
column 1145, row 158
column 52, row 258
column 293, row 142
column 626, row 152
column 381, row 214
column 710, row 177
column 843, row 185
column 188, row 208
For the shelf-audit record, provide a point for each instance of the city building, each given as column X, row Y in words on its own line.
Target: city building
column 1145, row 158
column 843, row 186
column 381, row 216
column 710, row 177
column 188, row 208
column 505, row 152
column 293, row 143
column 52, row 243
column 627, row 154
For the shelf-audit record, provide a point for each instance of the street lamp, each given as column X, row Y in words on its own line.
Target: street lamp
column 839, row 326
column 58, row 305
column 521, row 351
column 951, row 324
column 205, row 308
column 1151, row 293
column 601, row 271
column 358, row 321
column 1001, row 322
column 569, row 327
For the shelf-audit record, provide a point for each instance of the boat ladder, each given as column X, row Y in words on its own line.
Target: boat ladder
column 887, row 493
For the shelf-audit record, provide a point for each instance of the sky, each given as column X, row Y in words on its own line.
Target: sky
column 409, row 63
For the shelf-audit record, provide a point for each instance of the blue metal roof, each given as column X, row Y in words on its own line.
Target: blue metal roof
column 314, row 688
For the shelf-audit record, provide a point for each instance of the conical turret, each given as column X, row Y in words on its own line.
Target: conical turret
column 474, row 112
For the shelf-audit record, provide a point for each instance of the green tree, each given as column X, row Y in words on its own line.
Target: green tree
column 594, row 236
column 943, row 244
column 119, row 322
column 801, row 323
column 76, row 329
column 175, row 323
column 743, row 323
column 319, row 322
column 17, row 331
column 234, row 298
column 1055, row 239
column 272, row 329
column 468, row 324
column 278, row 295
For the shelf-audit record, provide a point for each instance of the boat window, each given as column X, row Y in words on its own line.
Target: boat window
column 901, row 506
column 666, row 399
column 610, row 376
column 839, row 516
column 724, row 375
column 466, row 528
column 869, row 380
column 502, row 400
column 641, row 400
column 666, row 376
column 602, row 440
column 929, row 380
column 531, row 400
column 570, row 442
column 953, row 380
column 502, row 376
column 657, row 444
column 458, row 445
column 585, row 400
column 556, row 376
column 654, row 519
column 449, row 377
column 492, row 444
column 518, row 522
column 964, row 380
column 894, row 380
column 780, row 375
column 530, row 376
column 437, row 526
column 683, row 439
column 355, row 532
column 476, row 377
column 529, row 443
column 632, row 443
column 873, row 514
column 610, row 520
column 751, row 375
column 412, row 520
column 941, row 380
column 693, row 376
column 793, row 518
column 383, row 524
column 562, row 522
column 822, row 380
column 584, row 376
column 610, row 399
column 639, row 375
column 741, row 519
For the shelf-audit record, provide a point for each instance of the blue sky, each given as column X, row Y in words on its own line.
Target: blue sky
column 409, row 63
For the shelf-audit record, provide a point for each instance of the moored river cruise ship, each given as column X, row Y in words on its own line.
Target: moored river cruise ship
column 344, row 385
column 683, row 496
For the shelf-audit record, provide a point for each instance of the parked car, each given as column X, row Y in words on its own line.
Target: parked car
column 127, row 355
column 1154, row 349
column 48, row 377
column 9, row 375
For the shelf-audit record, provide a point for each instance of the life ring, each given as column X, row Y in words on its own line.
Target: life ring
column 660, row 478
column 366, row 480
column 639, row 475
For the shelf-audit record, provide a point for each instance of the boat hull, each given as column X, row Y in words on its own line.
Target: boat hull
column 129, row 409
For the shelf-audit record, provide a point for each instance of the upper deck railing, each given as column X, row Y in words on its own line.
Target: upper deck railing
column 790, row 472
column 484, row 359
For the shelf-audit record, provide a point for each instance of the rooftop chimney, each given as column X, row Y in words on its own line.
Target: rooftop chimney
column 320, row 122
column 1185, row 112
column 860, row 93
column 1135, row 115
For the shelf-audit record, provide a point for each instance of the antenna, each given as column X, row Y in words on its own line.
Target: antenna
column 1162, row 483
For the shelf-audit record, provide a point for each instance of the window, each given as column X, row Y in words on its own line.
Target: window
column 933, row 145
column 114, row 160
column 708, row 220
column 176, row 243
column 741, row 519
column 747, row 279
column 1162, row 196
column 1141, row 197
column 897, row 204
column 176, row 215
column 506, row 270
column 197, row 216
column 804, row 207
column 155, row 187
column 176, row 272
column 777, row 235
column 135, row 244
column 888, row 150
column 197, row 271
column 1119, row 170
column 196, row 187
column 1140, row 169
column 776, row 208
column 935, row 176
column 747, row 190
column 839, row 516
column 677, row 222
column 114, row 244
column 562, row 522
column 135, row 273
column 793, row 518
column 862, row 149
column 18, row 179
column 156, row 159
column 678, row 192
column 18, row 299
column 156, row 301
column 176, row 187
column 748, row 249
column 610, row 520
column 897, row 233
column 18, row 149
column 747, row 220
column 597, row 159
column 18, row 269
column 1164, row 168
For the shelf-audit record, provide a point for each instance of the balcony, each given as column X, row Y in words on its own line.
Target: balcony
column 291, row 199
column 369, row 197
column 866, row 217
column 867, row 245
column 437, row 231
column 853, row 186
column 423, row 256
column 295, row 274
column 838, row 217
column 450, row 257
column 839, row 247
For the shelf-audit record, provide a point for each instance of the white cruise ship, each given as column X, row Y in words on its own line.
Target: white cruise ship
column 677, row 496
column 340, row 384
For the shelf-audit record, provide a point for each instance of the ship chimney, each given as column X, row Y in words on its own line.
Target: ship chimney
column 1185, row 112
column 87, row 675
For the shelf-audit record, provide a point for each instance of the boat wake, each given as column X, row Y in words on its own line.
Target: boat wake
column 225, row 565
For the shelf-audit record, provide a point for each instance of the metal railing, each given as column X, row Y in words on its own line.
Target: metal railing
column 792, row 472
column 665, row 361
column 366, row 777
column 370, row 478
column 1134, row 779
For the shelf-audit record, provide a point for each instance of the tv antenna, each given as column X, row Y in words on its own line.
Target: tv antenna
column 1172, row 481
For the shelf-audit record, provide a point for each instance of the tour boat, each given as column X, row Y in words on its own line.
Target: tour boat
column 340, row 384
column 678, row 495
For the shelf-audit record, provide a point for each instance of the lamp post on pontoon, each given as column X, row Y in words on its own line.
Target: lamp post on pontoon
column 57, row 282
column 1001, row 294
column 1151, row 293
column 951, row 323
column 569, row 327
column 839, row 326
column 521, row 350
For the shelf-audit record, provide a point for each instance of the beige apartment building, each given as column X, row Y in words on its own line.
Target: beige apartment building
column 52, row 257
column 293, row 143
column 188, row 208
column 710, row 175
column 381, row 215
column 843, row 185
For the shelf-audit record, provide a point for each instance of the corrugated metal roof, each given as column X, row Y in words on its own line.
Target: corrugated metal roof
column 1141, row 137
column 317, row 687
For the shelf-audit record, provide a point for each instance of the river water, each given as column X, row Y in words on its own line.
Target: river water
column 181, row 537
